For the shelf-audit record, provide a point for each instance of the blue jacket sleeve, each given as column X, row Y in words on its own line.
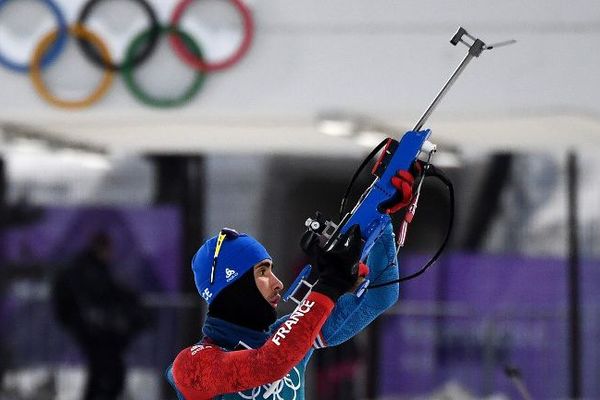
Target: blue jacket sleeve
column 352, row 314
column 169, row 375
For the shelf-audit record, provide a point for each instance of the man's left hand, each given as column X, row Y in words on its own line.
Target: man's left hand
column 403, row 181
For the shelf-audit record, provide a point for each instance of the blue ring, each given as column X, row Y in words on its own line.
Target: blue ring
column 56, row 48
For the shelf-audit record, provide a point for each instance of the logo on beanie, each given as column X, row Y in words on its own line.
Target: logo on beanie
column 206, row 294
column 230, row 274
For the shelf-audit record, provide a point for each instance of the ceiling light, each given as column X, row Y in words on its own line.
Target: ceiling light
column 336, row 128
column 84, row 158
column 446, row 159
column 26, row 145
column 370, row 138
column 337, row 123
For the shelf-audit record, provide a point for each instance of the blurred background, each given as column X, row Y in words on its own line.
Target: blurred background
column 133, row 167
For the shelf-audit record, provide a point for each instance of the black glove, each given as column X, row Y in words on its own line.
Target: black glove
column 338, row 266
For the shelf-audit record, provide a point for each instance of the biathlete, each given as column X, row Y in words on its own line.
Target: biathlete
column 245, row 351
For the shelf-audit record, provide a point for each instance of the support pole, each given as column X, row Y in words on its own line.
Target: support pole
column 574, row 318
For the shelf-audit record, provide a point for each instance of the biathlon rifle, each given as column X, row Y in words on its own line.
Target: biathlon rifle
column 368, row 212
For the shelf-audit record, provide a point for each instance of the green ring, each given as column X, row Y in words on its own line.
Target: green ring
column 137, row 90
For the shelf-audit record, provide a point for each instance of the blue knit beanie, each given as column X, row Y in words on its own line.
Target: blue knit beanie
column 226, row 257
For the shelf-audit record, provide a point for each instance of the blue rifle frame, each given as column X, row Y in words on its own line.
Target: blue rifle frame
column 367, row 213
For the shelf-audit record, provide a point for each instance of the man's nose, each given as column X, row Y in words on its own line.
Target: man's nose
column 276, row 284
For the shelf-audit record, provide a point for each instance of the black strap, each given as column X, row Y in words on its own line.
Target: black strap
column 92, row 54
column 436, row 173
column 357, row 173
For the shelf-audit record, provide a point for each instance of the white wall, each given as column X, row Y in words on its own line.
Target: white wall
column 386, row 59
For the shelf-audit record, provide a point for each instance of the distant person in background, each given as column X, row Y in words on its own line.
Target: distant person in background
column 100, row 314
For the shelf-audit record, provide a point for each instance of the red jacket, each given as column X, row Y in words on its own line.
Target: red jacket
column 205, row 370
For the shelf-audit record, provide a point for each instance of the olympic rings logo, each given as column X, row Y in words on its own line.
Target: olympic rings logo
column 288, row 387
column 139, row 50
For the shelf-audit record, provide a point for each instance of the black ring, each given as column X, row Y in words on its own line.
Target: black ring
column 92, row 54
column 148, row 99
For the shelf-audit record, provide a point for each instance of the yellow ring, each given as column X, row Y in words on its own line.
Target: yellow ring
column 35, row 73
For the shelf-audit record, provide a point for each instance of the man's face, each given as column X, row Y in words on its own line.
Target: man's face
column 267, row 283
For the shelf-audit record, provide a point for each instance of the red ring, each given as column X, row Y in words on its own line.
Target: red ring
column 202, row 65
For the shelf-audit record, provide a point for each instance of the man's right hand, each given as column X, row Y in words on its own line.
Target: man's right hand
column 337, row 266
